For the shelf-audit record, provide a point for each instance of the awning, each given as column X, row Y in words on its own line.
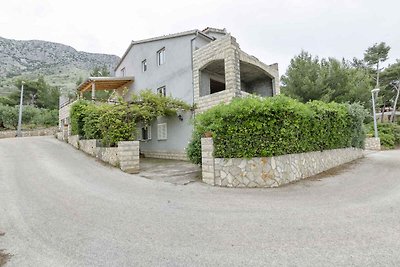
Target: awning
column 104, row 83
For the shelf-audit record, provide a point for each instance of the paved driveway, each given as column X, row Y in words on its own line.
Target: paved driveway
column 59, row 207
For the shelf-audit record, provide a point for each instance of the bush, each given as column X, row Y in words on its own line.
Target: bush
column 91, row 122
column 117, row 124
column 389, row 134
column 77, row 114
column 254, row 127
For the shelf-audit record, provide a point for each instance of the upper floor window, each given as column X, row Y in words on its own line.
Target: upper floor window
column 144, row 65
column 123, row 72
column 162, row 91
column 161, row 56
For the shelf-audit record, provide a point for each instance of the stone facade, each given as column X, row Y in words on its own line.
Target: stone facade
column 128, row 155
column 108, row 154
column 88, row 146
column 227, row 49
column 165, row 155
column 39, row 132
column 372, row 143
column 270, row 171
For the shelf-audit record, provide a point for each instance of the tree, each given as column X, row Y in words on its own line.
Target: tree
column 36, row 93
column 391, row 78
column 376, row 54
column 309, row 78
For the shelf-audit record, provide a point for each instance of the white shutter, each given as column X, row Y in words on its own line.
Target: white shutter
column 162, row 131
column 148, row 132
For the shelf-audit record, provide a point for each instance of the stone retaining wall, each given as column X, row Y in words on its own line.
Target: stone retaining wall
column 38, row 132
column 125, row 156
column 270, row 171
column 372, row 143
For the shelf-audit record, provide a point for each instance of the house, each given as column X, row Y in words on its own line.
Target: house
column 201, row 67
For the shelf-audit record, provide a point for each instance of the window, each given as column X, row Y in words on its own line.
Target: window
column 123, row 72
column 162, row 91
column 145, row 133
column 144, row 65
column 162, row 131
column 161, row 56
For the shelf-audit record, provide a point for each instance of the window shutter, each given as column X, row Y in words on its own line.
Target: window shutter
column 162, row 131
column 148, row 132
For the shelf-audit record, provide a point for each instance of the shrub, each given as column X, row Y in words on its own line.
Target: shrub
column 116, row 124
column 254, row 127
column 77, row 114
column 389, row 134
column 91, row 126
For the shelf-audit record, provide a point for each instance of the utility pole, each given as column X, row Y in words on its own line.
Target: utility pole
column 373, row 91
column 19, row 134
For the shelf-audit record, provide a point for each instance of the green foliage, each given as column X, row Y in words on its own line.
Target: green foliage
column 31, row 117
column 389, row 134
column 77, row 115
column 114, row 123
column 254, row 127
column 117, row 124
column 376, row 54
column 309, row 78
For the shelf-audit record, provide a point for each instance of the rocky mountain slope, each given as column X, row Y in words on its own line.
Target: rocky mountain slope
column 61, row 65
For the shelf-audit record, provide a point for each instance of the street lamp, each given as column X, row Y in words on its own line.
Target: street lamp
column 19, row 134
column 373, row 91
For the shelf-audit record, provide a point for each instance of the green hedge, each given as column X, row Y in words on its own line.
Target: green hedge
column 255, row 127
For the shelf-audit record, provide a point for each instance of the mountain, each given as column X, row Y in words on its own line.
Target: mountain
column 61, row 65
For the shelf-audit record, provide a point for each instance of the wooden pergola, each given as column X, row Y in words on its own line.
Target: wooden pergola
column 104, row 83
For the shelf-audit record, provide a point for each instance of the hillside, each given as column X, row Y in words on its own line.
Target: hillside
column 61, row 65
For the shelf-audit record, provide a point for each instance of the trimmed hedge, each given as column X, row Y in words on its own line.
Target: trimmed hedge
column 255, row 127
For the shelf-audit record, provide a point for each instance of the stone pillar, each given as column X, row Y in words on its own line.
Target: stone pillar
column 207, row 160
column 372, row 143
column 232, row 70
column 128, row 156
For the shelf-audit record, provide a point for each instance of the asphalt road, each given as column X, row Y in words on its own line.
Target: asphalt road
column 59, row 207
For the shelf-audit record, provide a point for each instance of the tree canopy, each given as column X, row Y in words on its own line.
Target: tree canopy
column 37, row 93
column 309, row 78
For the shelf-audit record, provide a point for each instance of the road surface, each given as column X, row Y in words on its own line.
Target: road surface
column 60, row 207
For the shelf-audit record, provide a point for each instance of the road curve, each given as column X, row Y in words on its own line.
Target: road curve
column 59, row 207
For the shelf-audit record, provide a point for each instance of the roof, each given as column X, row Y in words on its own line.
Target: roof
column 163, row 37
column 104, row 83
column 209, row 29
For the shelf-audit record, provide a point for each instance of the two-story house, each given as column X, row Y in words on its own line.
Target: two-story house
column 203, row 68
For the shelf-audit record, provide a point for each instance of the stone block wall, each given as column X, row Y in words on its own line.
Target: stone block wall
column 165, row 155
column 88, row 146
column 108, row 154
column 128, row 155
column 372, row 143
column 207, row 161
column 74, row 140
column 270, row 171
column 38, row 132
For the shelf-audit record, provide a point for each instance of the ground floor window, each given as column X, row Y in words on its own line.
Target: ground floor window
column 144, row 133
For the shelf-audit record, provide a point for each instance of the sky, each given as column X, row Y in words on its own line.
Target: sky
column 272, row 30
